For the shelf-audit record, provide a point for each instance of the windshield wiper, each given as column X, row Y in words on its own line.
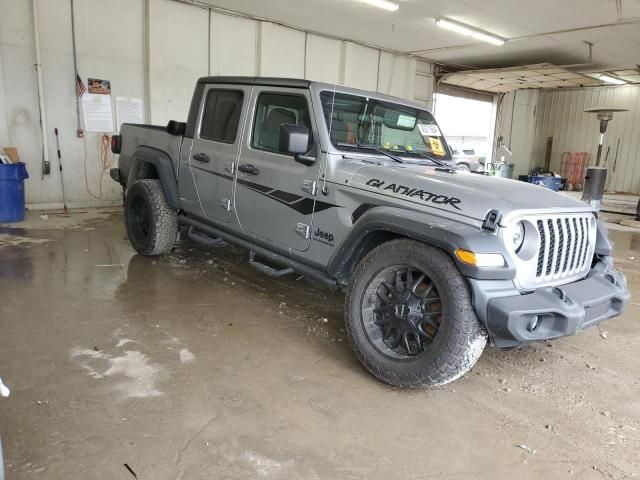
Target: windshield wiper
column 427, row 157
column 369, row 147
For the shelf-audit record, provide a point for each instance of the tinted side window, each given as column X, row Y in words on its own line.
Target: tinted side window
column 222, row 115
column 273, row 110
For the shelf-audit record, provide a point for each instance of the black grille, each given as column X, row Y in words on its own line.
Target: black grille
column 569, row 238
column 552, row 244
column 543, row 240
column 575, row 256
column 560, row 245
column 564, row 247
column 581, row 236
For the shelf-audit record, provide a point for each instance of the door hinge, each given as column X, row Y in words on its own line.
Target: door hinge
column 310, row 186
column 304, row 230
column 230, row 167
column 226, row 204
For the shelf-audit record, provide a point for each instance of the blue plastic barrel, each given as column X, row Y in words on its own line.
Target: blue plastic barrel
column 12, row 178
column 553, row 183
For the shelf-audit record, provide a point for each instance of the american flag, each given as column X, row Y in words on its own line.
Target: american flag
column 80, row 86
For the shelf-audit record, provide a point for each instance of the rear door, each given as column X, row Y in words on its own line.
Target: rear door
column 214, row 152
column 275, row 195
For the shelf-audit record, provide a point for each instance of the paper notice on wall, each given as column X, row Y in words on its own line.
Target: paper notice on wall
column 128, row 110
column 98, row 115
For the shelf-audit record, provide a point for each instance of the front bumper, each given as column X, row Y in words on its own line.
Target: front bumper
column 553, row 312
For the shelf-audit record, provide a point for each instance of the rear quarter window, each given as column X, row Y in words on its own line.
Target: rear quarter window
column 221, row 115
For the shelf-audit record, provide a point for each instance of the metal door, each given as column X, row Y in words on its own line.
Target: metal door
column 214, row 151
column 275, row 195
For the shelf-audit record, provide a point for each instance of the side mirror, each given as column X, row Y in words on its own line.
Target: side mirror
column 294, row 139
column 176, row 128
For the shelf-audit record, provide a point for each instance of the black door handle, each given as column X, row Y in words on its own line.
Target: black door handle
column 201, row 157
column 250, row 169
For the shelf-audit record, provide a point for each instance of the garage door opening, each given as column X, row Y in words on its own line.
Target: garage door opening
column 467, row 125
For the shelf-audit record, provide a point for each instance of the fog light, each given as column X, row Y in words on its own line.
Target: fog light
column 534, row 323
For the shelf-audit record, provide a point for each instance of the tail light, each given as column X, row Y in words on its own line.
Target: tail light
column 116, row 144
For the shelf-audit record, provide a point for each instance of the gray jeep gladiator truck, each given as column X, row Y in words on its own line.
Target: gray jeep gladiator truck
column 355, row 189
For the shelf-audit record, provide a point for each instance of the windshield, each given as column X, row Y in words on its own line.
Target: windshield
column 355, row 120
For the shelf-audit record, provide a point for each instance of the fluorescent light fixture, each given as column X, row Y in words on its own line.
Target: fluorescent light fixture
column 454, row 27
column 485, row 37
column 613, row 80
column 384, row 4
column 469, row 31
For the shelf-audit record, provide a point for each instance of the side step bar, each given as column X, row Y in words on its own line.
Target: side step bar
column 203, row 238
column 286, row 262
column 266, row 269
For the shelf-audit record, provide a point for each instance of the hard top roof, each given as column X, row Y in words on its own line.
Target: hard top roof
column 269, row 81
column 301, row 83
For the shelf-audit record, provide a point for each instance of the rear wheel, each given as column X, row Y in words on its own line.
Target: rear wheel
column 152, row 226
column 409, row 316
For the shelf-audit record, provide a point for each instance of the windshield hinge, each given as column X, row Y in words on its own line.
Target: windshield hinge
column 492, row 220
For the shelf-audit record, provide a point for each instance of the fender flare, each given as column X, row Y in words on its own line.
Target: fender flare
column 604, row 246
column 447, row 234
column 164, row 167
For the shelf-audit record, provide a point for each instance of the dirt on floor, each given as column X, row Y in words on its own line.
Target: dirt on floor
column 193, row 366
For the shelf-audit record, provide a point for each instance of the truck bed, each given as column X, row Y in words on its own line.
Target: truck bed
column 154, row 136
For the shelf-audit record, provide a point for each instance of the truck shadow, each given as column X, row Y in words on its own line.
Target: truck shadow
column 196, row 276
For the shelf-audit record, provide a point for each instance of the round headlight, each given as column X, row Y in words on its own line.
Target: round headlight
column 517, row 238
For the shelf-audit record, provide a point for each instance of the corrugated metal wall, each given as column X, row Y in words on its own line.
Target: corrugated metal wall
column 517, row 124
column 560, row 114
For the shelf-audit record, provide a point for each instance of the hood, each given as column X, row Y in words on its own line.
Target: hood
column 467, row 194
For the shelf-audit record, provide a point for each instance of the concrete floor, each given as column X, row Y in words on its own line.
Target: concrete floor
column 193, row 366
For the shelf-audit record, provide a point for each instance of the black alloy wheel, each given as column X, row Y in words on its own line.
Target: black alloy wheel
column 139, row 220
column 402, row 312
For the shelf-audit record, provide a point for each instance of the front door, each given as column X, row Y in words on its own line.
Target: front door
column 214, row 151
column 275, row 195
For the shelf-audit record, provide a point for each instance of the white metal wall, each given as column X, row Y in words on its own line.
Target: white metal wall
column 561, row 115
column 517, row 125
column 110, row 47
column 185, row 42
column 178, row 55
column 529, row 117
column 424, row 83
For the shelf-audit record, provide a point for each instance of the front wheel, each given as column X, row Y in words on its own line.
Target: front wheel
column 152, row 225
column 409, row 316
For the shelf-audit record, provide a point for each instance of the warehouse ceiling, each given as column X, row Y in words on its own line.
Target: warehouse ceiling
column 551, row 31
column 503, row 80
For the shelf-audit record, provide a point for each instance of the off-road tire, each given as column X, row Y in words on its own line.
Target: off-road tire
column 146, row 197
column 460, row 339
